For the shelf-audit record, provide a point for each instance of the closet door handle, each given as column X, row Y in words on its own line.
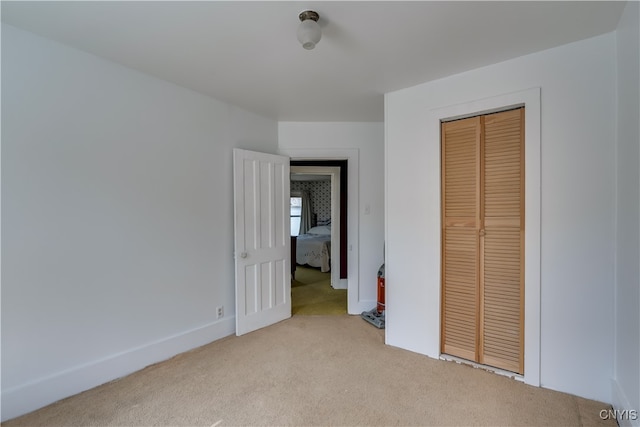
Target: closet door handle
column 482, row 232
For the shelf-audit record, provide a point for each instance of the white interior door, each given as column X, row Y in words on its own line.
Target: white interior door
column 262, row 239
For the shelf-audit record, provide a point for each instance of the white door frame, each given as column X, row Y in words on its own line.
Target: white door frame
column 352, row 155
column 530, row 98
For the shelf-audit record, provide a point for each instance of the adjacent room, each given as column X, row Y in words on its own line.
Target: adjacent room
column 315, row 205
column 158, row 159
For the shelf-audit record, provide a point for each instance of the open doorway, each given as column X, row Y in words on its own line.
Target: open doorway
column 339, row 202
column 348, row 161
column 316, row 231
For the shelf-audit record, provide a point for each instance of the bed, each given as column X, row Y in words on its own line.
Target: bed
column 314, row 248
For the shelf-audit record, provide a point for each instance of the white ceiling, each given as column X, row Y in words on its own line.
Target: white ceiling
column 247, row 54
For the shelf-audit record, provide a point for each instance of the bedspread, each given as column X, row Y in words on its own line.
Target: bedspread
column 314, row 250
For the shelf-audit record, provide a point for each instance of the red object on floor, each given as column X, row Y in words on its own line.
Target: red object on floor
column 380, row 307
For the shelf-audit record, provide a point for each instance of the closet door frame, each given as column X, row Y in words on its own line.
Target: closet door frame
column 530, row 99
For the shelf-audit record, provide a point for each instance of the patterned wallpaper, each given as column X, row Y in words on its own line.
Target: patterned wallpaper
column 320, row 192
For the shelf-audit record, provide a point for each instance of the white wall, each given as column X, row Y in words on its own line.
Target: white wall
column 626, row 387
column 366, row 141
column 577, row 84
column 117, row 219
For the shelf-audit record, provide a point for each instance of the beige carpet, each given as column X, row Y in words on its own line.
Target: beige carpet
column 312, row 294
column 314, row 370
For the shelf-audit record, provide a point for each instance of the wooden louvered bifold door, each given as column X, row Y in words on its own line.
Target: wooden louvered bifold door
column 483, row 239
column 460, row 223
column 501, row 242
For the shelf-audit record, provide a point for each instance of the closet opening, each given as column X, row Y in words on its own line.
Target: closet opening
column 482, row 220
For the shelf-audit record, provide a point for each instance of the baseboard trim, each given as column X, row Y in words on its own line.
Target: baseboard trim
column 341, row 284
column 622, row 408
column 36, row 394
column 363, row 305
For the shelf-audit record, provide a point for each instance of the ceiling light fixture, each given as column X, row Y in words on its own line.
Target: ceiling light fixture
column 309, row 32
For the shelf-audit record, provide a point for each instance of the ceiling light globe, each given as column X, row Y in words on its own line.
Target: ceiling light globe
column 309, row 33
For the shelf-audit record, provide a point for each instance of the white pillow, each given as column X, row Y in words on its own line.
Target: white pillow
column 323, row 230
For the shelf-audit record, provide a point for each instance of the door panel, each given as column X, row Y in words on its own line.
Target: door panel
column 502, row 297
column 460, row 215
column 262, row 242
column 460, row 293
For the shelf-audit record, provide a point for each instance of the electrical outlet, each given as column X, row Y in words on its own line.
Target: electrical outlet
column 220, row 312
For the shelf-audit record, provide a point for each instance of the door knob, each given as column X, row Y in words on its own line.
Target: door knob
column 243, row 254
